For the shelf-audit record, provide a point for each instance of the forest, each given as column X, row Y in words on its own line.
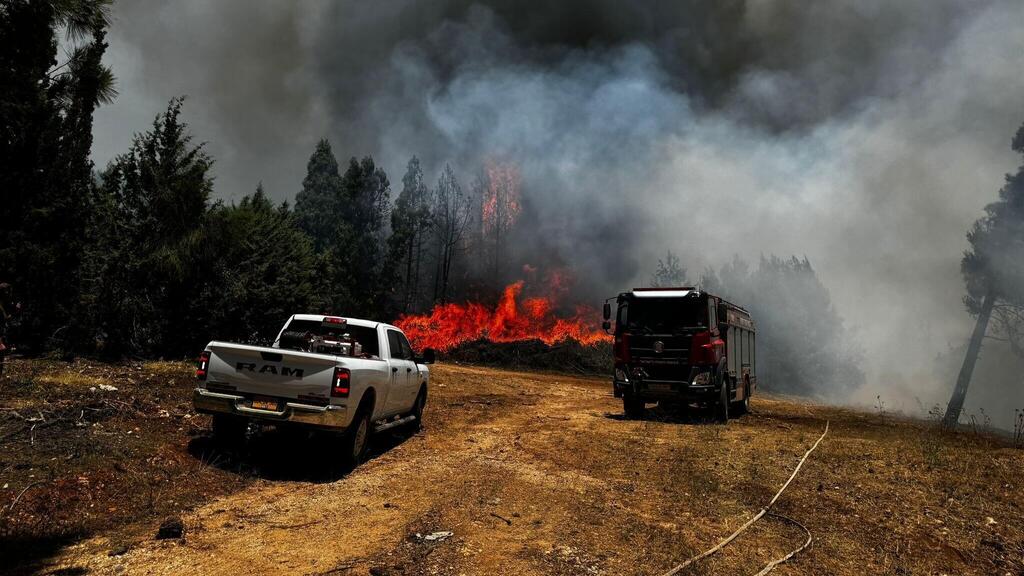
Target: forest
column 139, row 258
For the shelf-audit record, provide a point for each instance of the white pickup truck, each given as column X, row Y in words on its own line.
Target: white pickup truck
column 345, row 375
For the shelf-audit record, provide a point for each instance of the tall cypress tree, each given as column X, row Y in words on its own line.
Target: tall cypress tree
column 266, row 270
column 46, row 111
column 150, row 255
column 319, row 204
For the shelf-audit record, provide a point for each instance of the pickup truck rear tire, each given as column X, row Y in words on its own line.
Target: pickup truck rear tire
column 633, row 407
column 356, row 440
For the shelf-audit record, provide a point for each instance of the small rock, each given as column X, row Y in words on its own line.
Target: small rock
column 118, row 549
column 108, row 388
column 438, row 536
column 170, row 528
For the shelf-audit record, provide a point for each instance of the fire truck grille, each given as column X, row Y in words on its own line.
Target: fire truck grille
column 661, row 357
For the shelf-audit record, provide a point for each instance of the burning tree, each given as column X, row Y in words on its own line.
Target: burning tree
column 500, row 206
column 993, row 270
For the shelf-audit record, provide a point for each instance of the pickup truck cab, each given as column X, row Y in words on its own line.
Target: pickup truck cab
column 344, row 375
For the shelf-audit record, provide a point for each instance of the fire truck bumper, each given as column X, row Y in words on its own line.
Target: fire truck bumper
column 699, row 388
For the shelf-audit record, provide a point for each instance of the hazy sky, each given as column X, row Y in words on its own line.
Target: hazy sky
column 866, row 135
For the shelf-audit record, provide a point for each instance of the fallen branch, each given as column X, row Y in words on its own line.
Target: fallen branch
column 756, row 517
column 31, row 429
column 20, row 494
column 499, row 517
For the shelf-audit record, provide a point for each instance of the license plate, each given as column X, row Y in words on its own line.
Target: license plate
column 264, row 404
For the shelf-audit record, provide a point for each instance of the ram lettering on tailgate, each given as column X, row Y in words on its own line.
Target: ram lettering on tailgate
column 269, row 369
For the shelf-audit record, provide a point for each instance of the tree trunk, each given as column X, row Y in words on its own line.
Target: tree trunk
column 437, row 270
column 415, row 294
column 407, row 297
column 956, row 402
column 448, row 252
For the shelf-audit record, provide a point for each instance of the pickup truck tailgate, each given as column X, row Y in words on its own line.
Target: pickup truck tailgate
column 271, row 371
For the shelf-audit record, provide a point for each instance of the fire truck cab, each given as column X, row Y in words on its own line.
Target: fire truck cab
column 682, row 345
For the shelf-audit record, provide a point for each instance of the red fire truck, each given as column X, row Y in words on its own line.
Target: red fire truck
column 683, row 346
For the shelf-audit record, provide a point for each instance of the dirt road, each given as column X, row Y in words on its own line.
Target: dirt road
column 539, row 474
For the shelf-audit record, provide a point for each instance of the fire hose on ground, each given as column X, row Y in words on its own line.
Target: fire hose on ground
column 764, row 511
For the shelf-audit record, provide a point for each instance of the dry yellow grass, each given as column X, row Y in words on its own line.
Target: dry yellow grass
column 539, row 474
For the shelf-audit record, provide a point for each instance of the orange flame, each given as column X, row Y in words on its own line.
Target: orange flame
column 500, row 204
column 449, row 325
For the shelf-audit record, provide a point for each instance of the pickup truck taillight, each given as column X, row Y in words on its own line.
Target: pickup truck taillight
column 202, row 365
column 621, row 349
column 340, row 383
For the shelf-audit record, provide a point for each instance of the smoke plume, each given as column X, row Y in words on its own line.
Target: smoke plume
column 864, row 135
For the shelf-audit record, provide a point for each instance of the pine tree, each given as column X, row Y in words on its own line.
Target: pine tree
column 993, row 269
column 668, row 273
column 802, row 344
column 366, row 209
column 410, row 224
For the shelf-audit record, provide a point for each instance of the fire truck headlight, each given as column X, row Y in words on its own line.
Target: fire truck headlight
column 702, row 379
column 621, row 375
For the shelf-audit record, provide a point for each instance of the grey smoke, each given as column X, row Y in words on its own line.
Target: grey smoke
column 866, row 135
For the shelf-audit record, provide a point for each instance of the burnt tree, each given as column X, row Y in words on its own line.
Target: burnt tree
column 450, row 215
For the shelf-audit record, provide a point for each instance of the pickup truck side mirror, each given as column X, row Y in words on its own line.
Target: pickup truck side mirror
column 428, row 357
column 607, row 311
column 606, row 325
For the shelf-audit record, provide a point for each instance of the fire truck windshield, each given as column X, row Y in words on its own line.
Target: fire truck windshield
column 662, row 315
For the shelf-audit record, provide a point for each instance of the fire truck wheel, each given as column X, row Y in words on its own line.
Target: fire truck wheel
column 741, row 407
column 722, row 407
column 633, row 407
